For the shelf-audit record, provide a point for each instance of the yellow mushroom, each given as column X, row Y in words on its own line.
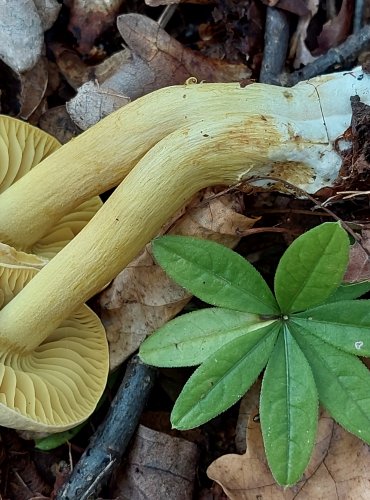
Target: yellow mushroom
column 222, row 135
column 22, row 147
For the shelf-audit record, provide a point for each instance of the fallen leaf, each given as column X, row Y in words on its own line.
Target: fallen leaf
column 359, row 262
column 155, row 60
column 89, row 19
column 297, row 7
column 150, row 42
column 33, row 85
column 93, row 103
column 21, row 34
column 298, row 48
column 158, row 466
column 142, row 298
column 336, row 30
column 57, row 122
column 48, row 11
column 247, row 477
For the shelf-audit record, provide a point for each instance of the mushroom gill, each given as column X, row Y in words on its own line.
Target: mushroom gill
column 22, row 147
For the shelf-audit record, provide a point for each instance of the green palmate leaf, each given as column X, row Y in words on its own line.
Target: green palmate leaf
column 344, row 324
column 224, row 378
column 215, row 274
column 342, row 382
column 349, row 291
column 312, row 268
column 189, row 339
column 288, row 411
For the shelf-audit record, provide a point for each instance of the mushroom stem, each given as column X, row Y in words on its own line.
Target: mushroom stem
column 189, row 159
column 102, row 156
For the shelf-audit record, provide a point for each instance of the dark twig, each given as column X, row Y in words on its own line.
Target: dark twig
column 109, row 442
column 358, row 16
column 345, row 53
column 276, row 45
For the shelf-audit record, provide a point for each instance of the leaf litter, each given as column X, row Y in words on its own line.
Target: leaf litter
column 155, row 58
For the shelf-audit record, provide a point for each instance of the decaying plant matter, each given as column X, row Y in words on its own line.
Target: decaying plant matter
column 166, row 146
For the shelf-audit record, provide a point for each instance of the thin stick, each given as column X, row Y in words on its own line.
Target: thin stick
column 111, row 439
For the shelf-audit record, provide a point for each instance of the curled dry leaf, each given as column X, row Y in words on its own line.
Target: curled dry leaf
column 48, row 11
column 142, row 298
column 155, row 60
column 89, row 18
column 57, row 122
column 297, row 7
column 334, row 465
column 336, row 30
column 359, row 263
column 298, row 48
column 93, row 103
column 21, row 34
column 158, row 466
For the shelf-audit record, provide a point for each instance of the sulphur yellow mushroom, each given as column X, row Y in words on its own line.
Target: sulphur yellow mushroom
column 166, row 146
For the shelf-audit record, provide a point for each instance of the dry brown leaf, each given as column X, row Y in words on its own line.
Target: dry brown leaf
column 142, row 298
column 298, row 48
column 245, row 477
column 93, row 102
column 48, row 11
column 57, row 122
column 158, row 466
column 359, row 263
column 145, row 37
column 297, row 7
column 337, row 29
column 155, row 60
column 339, row 468
column 89, row 18
column 33, row 84
column 21, row 34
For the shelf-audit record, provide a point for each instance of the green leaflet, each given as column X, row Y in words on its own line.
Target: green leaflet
column 189, row 339
column 214, row 273
column 342, row 382
column 311, row 268
column 348, row 291
column 54, row 440
column 223, row 378
column 288, row 411
column 345, row 325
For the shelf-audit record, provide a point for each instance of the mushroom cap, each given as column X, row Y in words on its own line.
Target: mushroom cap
column 22, row 147
column 57, row 385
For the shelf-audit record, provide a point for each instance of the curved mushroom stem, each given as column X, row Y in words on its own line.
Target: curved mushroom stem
column 168, row 175
column 101, row 157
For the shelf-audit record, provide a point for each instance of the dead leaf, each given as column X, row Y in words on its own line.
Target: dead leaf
column 297, row 7
column 57, row 122
column 89, row 19
column 298, row 48
column 33, row 85
column 142, row 298
column 74, row 70
column 339, row 468
column 155, row 60
column 358, row 268
column 336, row 30
column 247, row 477
column 48, row 11
column 21, row 34
column 158, row 466
column 145, row 37
column 93, row 103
